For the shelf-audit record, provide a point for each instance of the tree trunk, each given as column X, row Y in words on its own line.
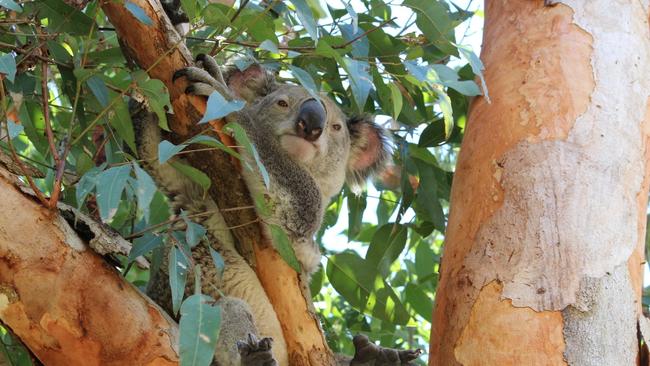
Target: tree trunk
column 543, row 258
column 64, row 302
column 154, row 49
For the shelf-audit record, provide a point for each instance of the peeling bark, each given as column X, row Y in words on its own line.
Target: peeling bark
column 550, row 193
column 155, row 48
column 62, row 299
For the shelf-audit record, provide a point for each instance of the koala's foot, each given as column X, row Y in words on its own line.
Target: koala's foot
column 205, row 78
column 256, row 352
column 369, row 354
column 550, row 2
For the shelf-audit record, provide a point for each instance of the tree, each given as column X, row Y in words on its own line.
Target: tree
column 543, row 258
column 64, row 93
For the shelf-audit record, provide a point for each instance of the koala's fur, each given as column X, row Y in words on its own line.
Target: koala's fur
column 304, row 176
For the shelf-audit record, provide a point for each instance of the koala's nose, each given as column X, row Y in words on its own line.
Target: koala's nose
column 311, row 120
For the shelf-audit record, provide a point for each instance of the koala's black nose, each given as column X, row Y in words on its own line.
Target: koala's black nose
column 311, row 120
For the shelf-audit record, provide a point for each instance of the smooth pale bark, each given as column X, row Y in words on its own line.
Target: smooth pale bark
column 543, row 257
column 62, row 299
column 154, row 48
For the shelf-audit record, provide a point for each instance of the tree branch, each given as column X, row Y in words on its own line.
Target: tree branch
column 62, row 299
column 156, row 48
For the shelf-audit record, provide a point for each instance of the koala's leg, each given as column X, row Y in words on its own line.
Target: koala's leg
column 256, row 352
column 369, row 354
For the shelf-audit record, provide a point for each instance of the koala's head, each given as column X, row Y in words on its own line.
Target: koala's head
column 313, row 130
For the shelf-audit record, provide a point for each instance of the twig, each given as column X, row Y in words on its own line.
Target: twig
column 241, row 7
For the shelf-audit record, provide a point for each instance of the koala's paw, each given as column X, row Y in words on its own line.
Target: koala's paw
column 205, row 78
column 256, row 352
column 550, row 2
column 368, row 353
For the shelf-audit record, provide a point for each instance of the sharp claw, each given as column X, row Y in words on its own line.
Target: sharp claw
column 189, row 89
column 200, row 57
column 178, row 74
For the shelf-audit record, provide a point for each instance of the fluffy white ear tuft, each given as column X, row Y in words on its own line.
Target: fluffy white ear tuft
column 370, row 150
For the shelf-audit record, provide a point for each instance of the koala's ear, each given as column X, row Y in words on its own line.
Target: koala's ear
column 250, row 84
column 370, row 150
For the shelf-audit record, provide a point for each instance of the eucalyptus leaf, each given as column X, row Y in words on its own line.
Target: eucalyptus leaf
column 219, row 107
column 178, row 268
column 8, row 66
column 110, row 185
column 199, row 330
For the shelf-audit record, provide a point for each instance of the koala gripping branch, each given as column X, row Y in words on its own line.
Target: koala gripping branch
column 64, row 302
column 157, row 49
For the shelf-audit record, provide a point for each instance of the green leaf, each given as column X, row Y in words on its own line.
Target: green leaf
column 14, row 129
column 194, row 232
column 306, row 18
column 218, row 107
column 363, row 287
column 87, row 184
column 189, row 6
column 121, row 121
column 360, row 80
column 138, row 13
column 305, row 80
column 386, row 246
column 144, row 245
column 268, row 45
column 419, row 300
column 218, row 261
column 110, row 185
column 356, row 206
column 433, row 135
column 396, row 97
column 166, row 150
column 243, row 140
column 434, row 21
column 283, row 246
column 63, row 17
column 214, row 16
column 427, row 197
column 477, row 67
column 199, row 330
column 178, row 269
column 11, row 5
column 425, row 260
column 8, row 66
column 157, row 96
column 449, row 77
column 99, row 89
column 144, row 191
column 194, row 174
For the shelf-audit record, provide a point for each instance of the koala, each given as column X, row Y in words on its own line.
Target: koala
column 306, row 143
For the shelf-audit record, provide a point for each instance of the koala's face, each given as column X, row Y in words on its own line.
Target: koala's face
column 315, row 133
column 312, row 131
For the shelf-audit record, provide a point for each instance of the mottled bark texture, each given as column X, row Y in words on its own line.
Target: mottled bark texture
column 158, row 50
column 62, row 299
column 544, row 249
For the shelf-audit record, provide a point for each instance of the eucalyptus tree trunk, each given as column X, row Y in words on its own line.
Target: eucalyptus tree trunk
column 543, row 260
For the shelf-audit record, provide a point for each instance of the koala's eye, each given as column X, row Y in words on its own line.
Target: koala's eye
column 283, row 103
column 336, row 127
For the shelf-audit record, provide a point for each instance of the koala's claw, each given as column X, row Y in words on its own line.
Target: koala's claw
column 256, row 352
column 202, row 82
column 367, row 353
